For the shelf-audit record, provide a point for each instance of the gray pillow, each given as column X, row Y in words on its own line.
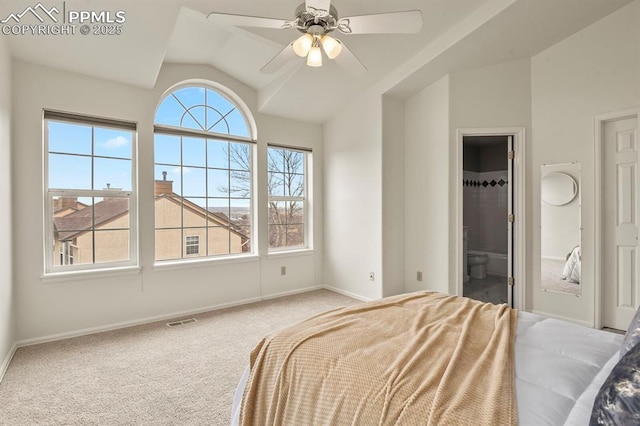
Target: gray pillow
column 632, row 337
column 618, row 401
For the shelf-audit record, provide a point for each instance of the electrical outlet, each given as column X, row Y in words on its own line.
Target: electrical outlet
column 419, row 276
column 283, row 270
column 372, row 276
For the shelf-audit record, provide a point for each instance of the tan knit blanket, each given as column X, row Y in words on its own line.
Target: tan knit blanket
column 418, row 359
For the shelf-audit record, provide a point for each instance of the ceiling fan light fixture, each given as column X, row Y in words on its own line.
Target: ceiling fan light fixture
column 332, row 46
column 315, row 19
column 303, row 44
column 314, row 59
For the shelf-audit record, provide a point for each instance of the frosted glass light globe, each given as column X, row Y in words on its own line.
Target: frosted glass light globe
column 303, row 44
column 332, row 47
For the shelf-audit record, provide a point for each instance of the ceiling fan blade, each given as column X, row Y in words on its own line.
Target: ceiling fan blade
column 349, row 62
column 285, row 55
column 319, row 6
column 248, row 21
column 408, row 22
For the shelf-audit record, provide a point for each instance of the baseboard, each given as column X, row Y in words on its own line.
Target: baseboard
column 347, row 293
column 567, row 319
column 5, row 363
column 133, row 323
column 164, row 317
column 291, row 292
column 173, row 315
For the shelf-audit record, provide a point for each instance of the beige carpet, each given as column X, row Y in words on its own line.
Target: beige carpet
column 551, row 278
column 149, row 374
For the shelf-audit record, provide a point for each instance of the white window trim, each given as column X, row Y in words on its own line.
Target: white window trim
column 252, row 235
column 251, row 141
column 66, row 270
column 168, row 265
column 276, row 254
column 306, row 200
column 90, row 274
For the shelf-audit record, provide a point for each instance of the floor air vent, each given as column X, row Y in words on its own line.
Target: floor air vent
column 180, row 322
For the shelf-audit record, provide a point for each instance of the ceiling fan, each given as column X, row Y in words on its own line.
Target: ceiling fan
column 316, row 19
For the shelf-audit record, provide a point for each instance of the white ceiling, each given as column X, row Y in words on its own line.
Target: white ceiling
column 178, row 31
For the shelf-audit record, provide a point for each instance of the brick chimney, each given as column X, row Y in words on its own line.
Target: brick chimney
column 163, row 186
column 65, row 203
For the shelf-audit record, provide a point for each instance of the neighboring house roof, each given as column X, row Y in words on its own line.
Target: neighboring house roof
column 64, row 212
column 78, row 222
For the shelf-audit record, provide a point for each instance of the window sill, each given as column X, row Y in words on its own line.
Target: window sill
column 56, row 277
column 291, row 253
column 195, row 263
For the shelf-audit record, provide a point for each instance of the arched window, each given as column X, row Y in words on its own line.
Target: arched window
column 202, row 109
column 203, row 149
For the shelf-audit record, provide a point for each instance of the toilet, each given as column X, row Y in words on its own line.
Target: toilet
column 477, row 263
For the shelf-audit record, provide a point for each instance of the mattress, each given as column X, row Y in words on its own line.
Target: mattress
column 560, row 367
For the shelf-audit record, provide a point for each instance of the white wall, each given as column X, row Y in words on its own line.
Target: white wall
column 426, row 169
column 47, row 308
column 353, row 198
column 356, row 175
column 554, row 96
column 494, row 96
column 595, row 71
column 7, row 316
column 490, row 97
column 304, row 270
column 393, row 201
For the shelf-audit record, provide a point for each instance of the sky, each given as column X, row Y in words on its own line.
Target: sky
column 199, row 168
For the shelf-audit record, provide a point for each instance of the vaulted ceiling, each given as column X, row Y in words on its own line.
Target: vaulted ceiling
column 457, row 34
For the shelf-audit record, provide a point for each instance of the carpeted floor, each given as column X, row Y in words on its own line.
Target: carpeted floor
column 150, row 374
column 551, row 278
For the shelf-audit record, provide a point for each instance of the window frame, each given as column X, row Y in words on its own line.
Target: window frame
column 190, row 245
column 306, row 200
column 186, row 132
column 50, row 193
column 66, row 253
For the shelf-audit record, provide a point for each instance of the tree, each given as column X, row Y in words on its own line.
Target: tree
column 285, row 187
column 286, row 197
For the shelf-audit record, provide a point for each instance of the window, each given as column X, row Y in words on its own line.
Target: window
column 67, row 253
column 192, row 245
column 89, row 189
column 288, row 210
column 203, row 176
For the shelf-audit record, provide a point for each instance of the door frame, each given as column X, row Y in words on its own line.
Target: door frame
column 599, row 123
column 519, row 204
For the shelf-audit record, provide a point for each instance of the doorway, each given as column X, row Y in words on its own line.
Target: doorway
column 491, row 214
column 619, row 189
column 485, row 204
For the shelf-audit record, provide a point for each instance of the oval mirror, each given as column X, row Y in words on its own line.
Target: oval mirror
column 558, row 189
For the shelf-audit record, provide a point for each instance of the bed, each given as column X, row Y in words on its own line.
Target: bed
column 572, row 270
column 559, row 369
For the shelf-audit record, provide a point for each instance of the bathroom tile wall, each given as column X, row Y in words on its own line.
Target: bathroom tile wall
column 485, row 199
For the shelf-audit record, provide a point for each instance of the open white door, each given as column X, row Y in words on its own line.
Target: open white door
column 510, row 221
column 620, row 258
